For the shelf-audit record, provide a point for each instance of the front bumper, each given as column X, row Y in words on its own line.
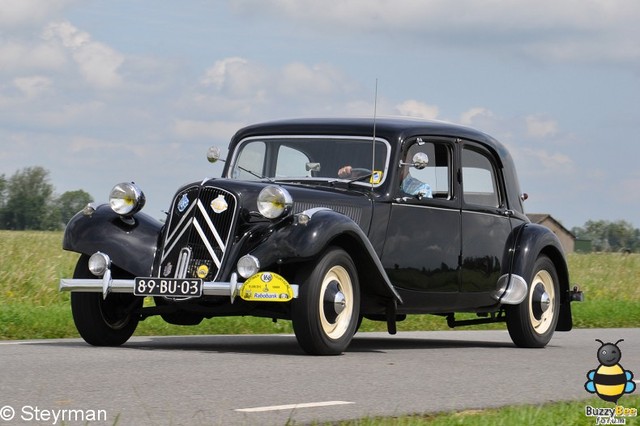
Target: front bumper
column 106, row 285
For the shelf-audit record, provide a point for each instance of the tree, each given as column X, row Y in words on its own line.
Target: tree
column 609, row 236
column 3, row 189
column 28, row 198
column 71, row 202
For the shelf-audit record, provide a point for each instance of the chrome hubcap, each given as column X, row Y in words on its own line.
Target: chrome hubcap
column 541, row 301
column 334, row 301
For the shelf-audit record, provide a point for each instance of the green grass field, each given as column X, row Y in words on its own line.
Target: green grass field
column 31, row 263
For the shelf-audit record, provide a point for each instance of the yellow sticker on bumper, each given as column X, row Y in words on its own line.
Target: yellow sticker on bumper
column 266, row 287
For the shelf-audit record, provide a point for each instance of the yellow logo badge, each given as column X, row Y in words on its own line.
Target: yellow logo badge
column 266, row 287
column 203, row 271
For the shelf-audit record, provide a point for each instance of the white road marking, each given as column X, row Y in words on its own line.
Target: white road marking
column 292, row 406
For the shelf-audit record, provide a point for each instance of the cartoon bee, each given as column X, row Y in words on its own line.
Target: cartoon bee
column 610, row 381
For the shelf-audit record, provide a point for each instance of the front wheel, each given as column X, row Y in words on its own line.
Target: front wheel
column 532, row 323
column 103, row 322
column 325, row 314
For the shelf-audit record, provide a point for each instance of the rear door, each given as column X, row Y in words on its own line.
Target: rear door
column 486, row 224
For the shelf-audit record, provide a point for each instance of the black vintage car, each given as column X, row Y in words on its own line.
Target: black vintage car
column 324, row 222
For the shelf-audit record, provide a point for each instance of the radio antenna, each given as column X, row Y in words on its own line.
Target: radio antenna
column 373, row 142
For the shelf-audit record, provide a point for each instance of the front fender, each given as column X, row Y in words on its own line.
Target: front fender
column 131, row 247
column 533, row 241
column 296, row 242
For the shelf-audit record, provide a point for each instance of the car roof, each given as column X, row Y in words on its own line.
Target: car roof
column 393, row 129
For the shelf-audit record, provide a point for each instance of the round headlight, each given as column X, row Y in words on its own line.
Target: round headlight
column 274, row 202
column 126, row 199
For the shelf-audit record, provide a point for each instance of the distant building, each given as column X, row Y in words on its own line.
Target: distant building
column 567, row 239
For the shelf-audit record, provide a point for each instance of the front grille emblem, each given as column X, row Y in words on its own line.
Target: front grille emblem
column 183, row 203
column 219, row 205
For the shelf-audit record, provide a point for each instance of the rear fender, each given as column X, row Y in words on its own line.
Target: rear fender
column 535, row 240
column 131, row 246
column 297, row 242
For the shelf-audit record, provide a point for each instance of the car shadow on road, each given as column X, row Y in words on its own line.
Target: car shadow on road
column 281, row 344
column 380, row 344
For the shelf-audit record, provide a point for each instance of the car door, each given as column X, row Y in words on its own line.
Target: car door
column 422, row 247
column 486, row 225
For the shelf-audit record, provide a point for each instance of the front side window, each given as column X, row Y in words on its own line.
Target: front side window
column 312, row 158
column 432, row 181
column 479, row 179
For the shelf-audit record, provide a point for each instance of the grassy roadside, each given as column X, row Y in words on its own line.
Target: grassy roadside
column 559, row 413
column 31, row 263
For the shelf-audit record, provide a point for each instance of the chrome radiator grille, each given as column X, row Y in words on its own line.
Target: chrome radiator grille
column 198, row 231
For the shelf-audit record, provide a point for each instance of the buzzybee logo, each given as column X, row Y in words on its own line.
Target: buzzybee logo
column 610, row 381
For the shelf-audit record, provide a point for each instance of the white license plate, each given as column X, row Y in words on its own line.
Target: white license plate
column 181, row 287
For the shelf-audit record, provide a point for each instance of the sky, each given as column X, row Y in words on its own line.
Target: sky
column 103, row 91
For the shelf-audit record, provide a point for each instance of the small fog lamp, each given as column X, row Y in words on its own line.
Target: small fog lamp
column 248, row 266
column 99, row 263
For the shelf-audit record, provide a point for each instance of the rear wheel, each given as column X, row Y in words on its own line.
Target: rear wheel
column 325, row 314
column 531, row 323
column 103, row 322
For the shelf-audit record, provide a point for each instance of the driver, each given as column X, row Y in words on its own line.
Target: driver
column 408, row 185
column 413, row 186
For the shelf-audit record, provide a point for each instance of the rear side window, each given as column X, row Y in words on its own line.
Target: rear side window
column 479, row 183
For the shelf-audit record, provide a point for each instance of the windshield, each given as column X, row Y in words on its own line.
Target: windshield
column 311, row 158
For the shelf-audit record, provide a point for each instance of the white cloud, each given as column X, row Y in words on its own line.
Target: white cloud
column 545, row 162
column 20, row 13
column 32, row 86
column 210, row 130
column 468, row 117
column 538, row 127
column 298, row 79
column 235, row 76
column 16, row 56
column 98, row 63
column 571, row 30
column 413, row 108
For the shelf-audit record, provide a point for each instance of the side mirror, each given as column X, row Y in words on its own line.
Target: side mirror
column 213, row 154
column 312, row 167
column 420, row 160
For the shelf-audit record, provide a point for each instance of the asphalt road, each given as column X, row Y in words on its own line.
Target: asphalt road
column 266, row 379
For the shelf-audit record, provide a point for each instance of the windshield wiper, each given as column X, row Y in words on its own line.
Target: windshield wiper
column 254, row 174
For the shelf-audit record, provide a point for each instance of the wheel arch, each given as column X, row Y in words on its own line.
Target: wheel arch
column 296, row 244
column 131, row 246
column 536, row 240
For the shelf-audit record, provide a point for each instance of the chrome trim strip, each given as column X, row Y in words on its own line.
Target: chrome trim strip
column 211, row 227
column 209, row 288
column 183, row 262
column 185, row 215
column 205, row 240
column 170, row 249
